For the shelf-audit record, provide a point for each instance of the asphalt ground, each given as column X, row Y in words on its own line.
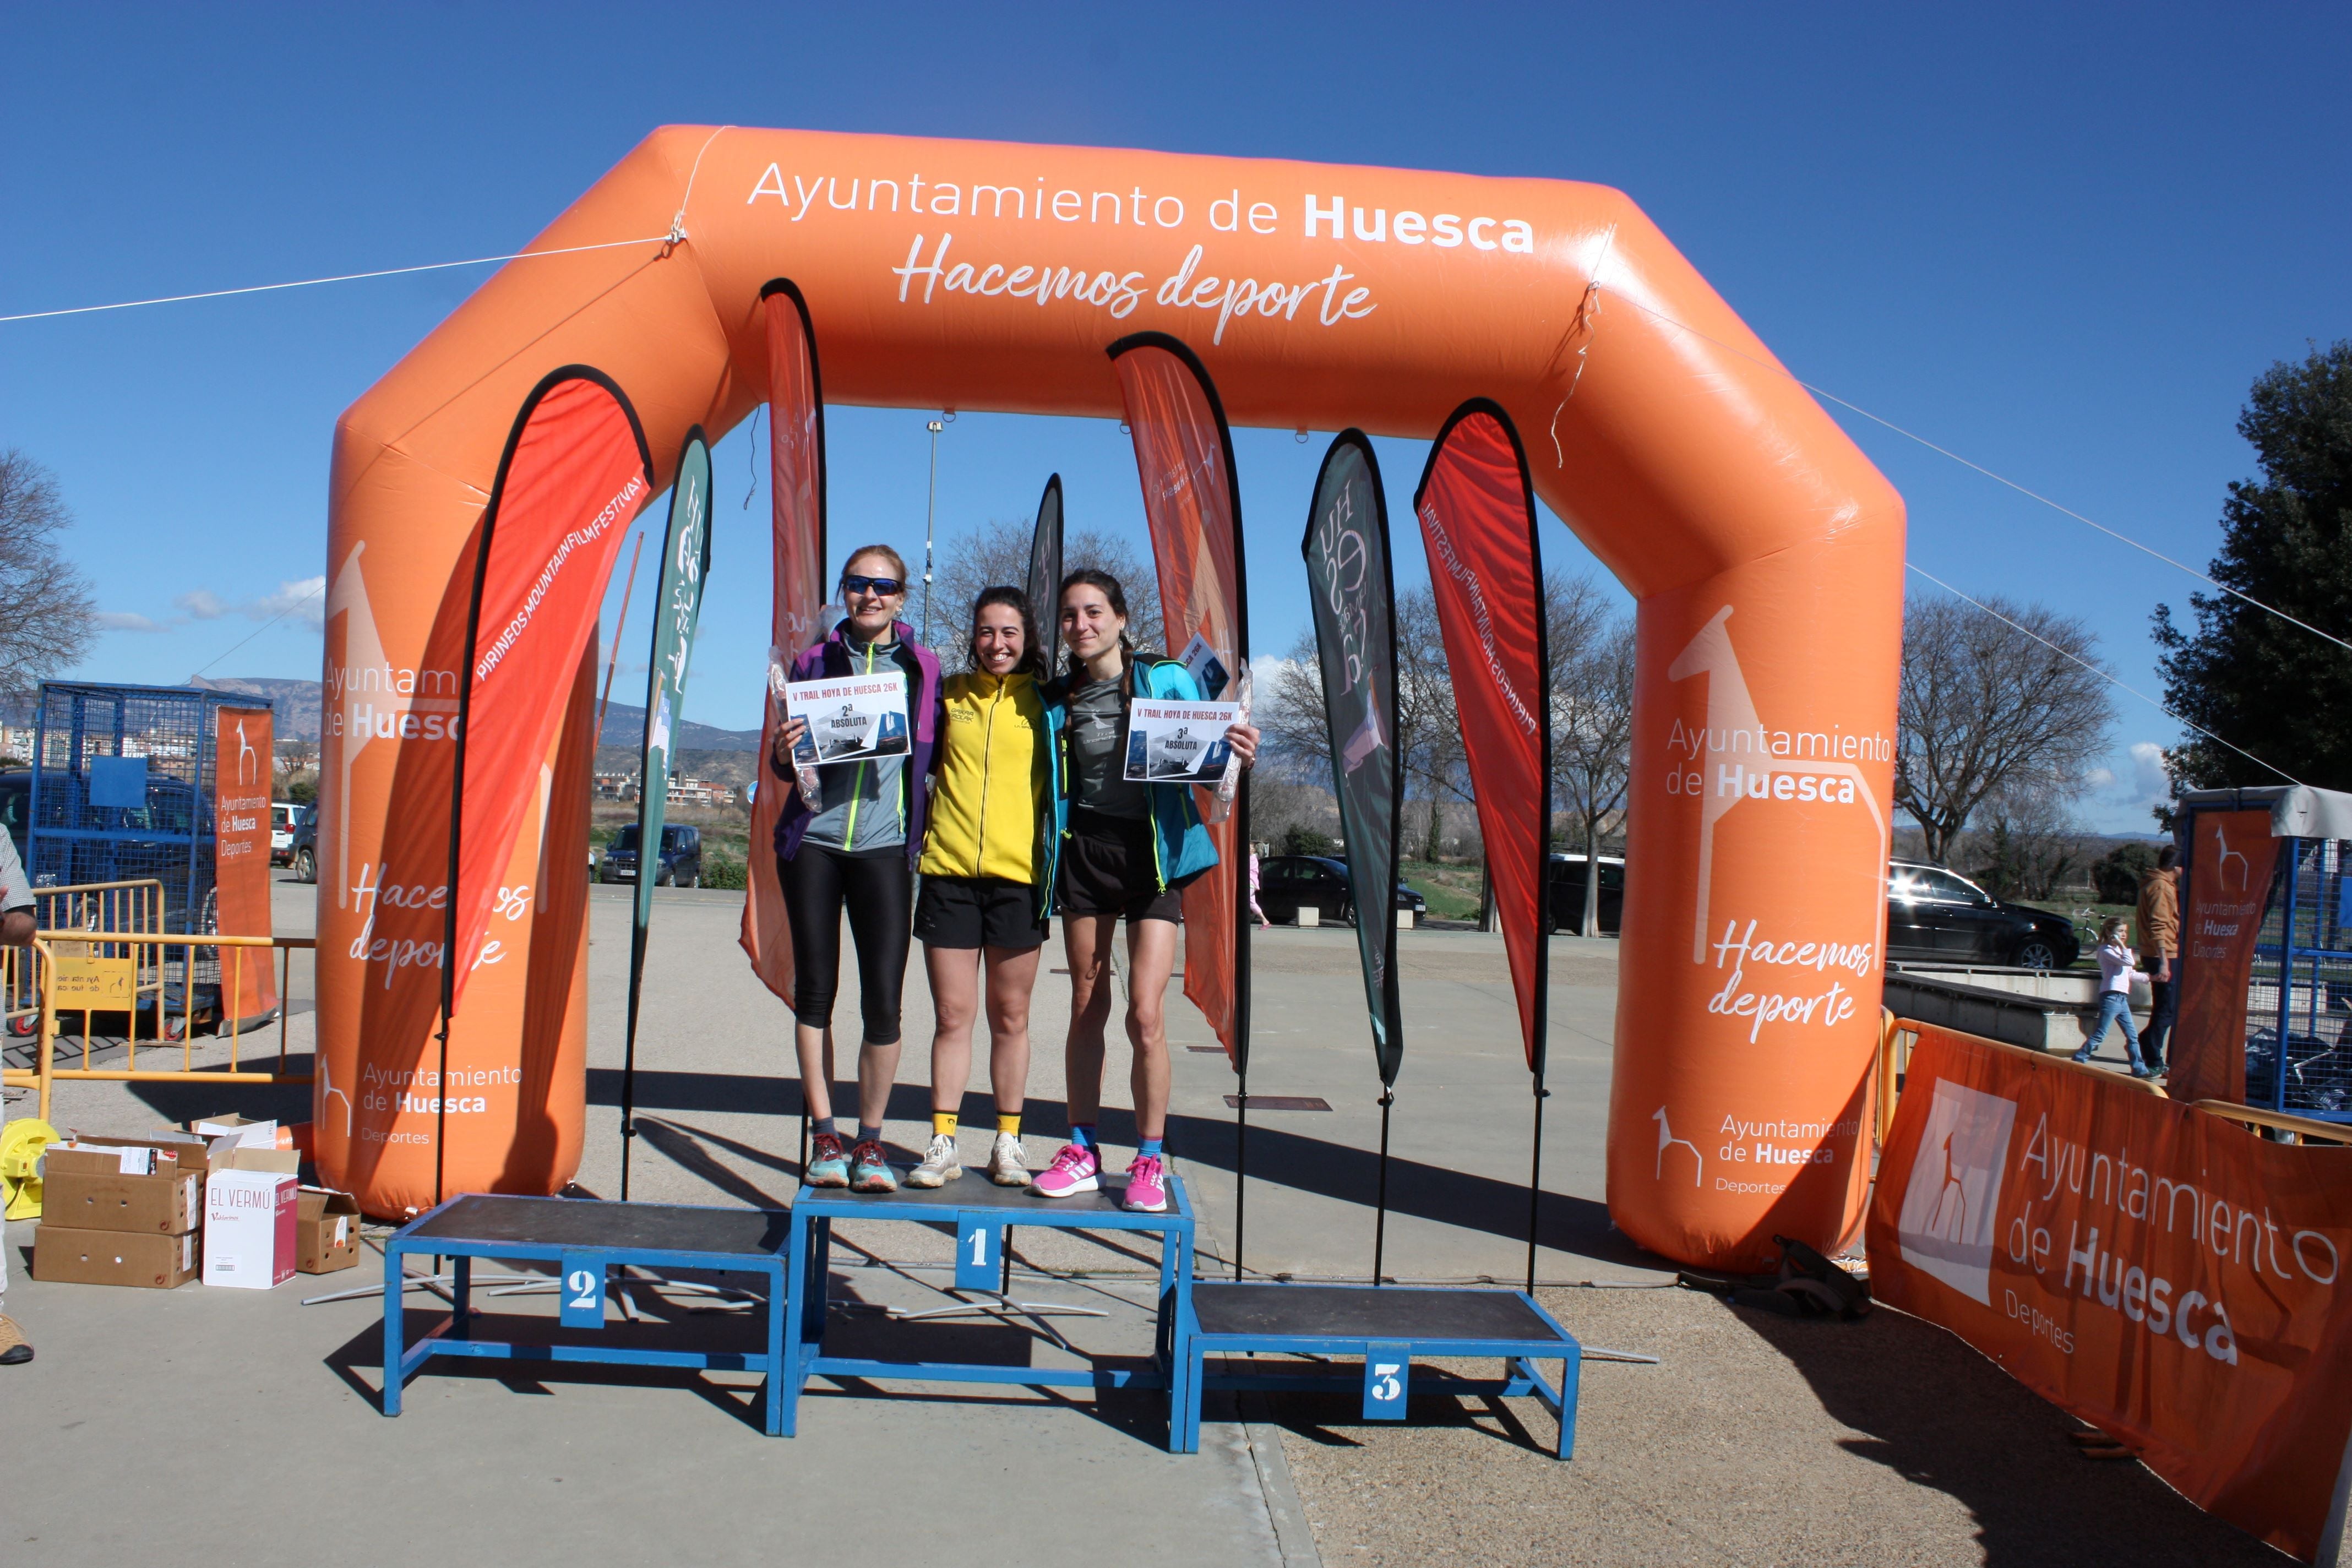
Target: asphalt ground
column 1753, row 1440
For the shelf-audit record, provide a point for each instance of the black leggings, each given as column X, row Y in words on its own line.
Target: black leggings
column 879, row 891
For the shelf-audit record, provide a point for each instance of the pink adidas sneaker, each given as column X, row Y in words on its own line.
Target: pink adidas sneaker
column 1147, row 1185
column 1074, row 1171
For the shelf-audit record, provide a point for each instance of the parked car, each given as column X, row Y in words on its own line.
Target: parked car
column 1939, row 916
column 680, row 860
column 302, row 844
column 1566, row 903
column 1289, row 882
column 282, row 831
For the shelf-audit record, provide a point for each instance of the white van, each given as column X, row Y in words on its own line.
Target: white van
column 282, row 831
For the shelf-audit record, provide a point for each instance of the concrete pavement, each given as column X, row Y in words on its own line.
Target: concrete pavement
column 213, row 1419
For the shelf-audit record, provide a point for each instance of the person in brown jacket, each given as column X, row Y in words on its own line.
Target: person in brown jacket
column 2159, row 946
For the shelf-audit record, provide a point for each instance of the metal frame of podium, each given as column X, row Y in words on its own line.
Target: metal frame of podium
column 1387, row 1328
column 586, row 1239
column 983, row 1215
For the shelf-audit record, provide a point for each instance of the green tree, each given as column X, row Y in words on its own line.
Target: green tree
column 2286, row 540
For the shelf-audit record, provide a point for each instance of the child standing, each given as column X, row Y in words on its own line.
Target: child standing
column 2119, row 967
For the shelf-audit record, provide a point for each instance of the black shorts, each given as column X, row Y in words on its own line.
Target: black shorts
column 977, row 912
column 1107, row 869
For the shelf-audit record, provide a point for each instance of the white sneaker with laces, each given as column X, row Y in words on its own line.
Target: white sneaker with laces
column 942, row 1163
column 1007, row 1165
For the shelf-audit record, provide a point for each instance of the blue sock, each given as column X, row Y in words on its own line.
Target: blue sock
column 1084, row 1137
column 869, row 1134
column 1148, row 1149
column 825, row 1127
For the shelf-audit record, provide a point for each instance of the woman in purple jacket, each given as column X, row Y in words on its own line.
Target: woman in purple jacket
column 856, row 847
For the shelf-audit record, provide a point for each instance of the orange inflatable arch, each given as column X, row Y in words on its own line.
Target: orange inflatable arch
column 1764, row 550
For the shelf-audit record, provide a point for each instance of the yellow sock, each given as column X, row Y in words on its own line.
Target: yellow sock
column 943, row 1123
column 1009, row 1123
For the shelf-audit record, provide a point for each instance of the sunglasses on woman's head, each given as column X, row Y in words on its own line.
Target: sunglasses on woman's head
column 883, row 585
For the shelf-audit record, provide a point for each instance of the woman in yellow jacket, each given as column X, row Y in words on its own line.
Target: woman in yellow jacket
column 982, row 888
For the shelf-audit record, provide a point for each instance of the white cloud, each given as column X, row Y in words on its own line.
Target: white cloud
column 126, row 621
column 303, row 600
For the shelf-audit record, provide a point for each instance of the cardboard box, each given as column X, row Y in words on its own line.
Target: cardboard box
column 191, row 1153
column 249, row 1224
column 61, row 1253
column 168, row 1203
column 248, row 1134
column 326, row 1230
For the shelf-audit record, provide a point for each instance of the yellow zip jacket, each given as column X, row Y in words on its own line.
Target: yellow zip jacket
column 989, row 795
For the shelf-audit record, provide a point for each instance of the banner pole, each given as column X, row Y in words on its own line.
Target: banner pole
column 1380, row 1211
column 1241, row 1167
column 1535, row 1178
column 629, row 1050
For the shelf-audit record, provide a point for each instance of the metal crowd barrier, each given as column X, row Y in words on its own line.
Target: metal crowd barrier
column 2289, row 1129
column 30, row 965
column 134, row 906
column 104, row 975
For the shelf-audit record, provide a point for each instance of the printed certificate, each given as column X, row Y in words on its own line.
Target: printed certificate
column 1178, row 742
column 852, row 719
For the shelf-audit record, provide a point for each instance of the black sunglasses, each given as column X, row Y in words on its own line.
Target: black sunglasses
column 883, row 585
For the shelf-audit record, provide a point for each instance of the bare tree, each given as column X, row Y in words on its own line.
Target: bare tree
column 1592, row 650
column 1985, row 706
column 1429, row 733
column 44, row 607
column 2025, row 842
column 997, row 553
column 1429, row 724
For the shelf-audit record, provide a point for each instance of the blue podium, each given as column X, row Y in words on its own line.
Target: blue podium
column 983, row 1215
column 1385, row 1328
column 586, row 1239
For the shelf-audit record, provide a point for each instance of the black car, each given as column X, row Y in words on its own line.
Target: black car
column 681, row 858
column 303, row 851
column 1289, row 882
column 1566, row 902
column 1941, row 917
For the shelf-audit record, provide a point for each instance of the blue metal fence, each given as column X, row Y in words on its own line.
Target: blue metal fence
column 123, row 788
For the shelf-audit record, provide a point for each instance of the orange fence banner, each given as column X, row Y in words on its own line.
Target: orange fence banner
column 242, row 759
column 2230, row 870
column 2160, row 1272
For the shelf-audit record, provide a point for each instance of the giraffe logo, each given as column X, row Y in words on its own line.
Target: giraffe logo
column 247, row 757
column 2224, row 856
column 1666, row 1139
column 1949, row 1221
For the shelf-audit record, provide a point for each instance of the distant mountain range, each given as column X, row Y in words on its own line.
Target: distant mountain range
column 297, row 706
column 294, row 702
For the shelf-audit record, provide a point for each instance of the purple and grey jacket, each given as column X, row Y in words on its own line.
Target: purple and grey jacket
column 830, row 659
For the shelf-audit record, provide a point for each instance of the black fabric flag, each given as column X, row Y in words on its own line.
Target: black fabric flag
column 1045, row 573
column 1346, row 552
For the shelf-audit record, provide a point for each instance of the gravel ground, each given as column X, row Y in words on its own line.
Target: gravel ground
column 1756, row 1440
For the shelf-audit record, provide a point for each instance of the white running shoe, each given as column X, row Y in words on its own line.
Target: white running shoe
column 1007, row 1165
column 942, row 1163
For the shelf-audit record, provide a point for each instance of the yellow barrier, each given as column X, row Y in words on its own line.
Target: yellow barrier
column 32, row 964
column 2299, row 1129
column 135, row 905
column 97, row 973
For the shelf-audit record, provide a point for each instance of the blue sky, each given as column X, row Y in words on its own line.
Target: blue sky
column 2062, row 244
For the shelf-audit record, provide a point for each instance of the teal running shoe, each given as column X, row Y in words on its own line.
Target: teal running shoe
column 828, row 1163
column 869, row 1170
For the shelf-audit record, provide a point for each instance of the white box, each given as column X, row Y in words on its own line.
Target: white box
column 249, row 1229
